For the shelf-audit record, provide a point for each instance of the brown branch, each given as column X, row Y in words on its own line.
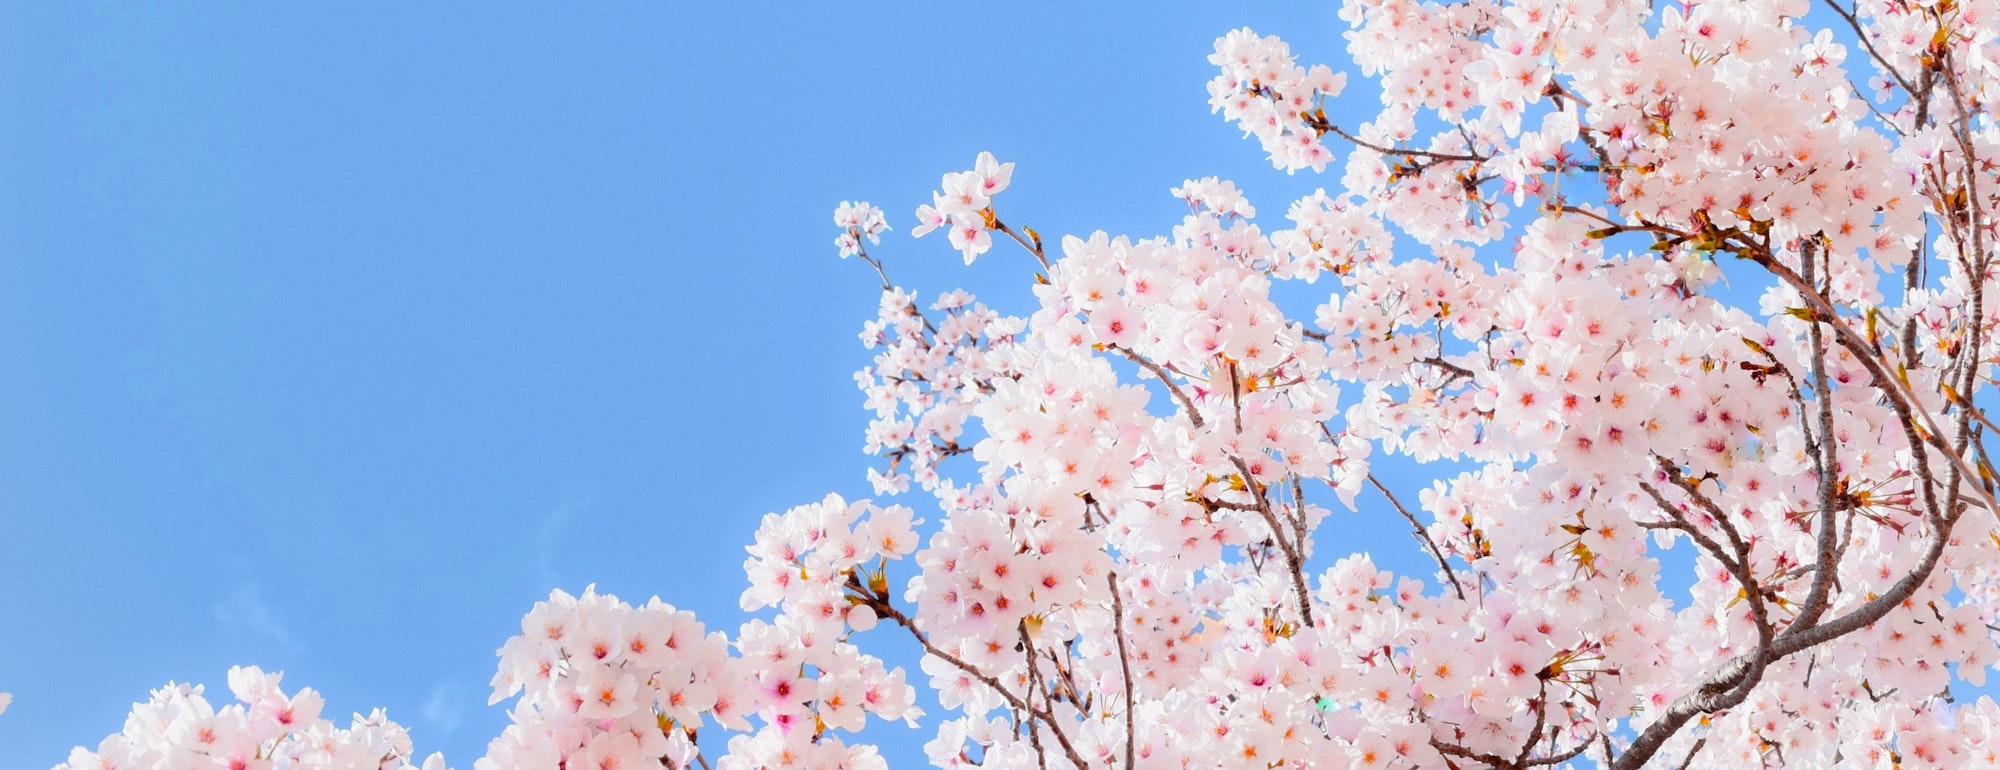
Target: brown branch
column 1718, row 692
column 1622, row 226
column 888, row 286
column 1227, row 505
column 1497, row 761
column 1293, row 561
column 1825, row 460
column 1187, row 404
column 1976, row 275
column 1423, row 536
column 1908, row 409
column 1798, row 638
column 1731, row 684
column 1688, row 761
column 1299, row 513
column 1557, row 759
column 882, row 607
column 1872, row 53
column 1035, row 685
column 1541, row 705
column 1737, row 544
column 1454, row 369
column 1034, row 248
column 1124, row 668
column 1440, row 157
column 1492, row 760
column 1236, row 394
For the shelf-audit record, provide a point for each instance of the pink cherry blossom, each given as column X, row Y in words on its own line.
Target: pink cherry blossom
column 1528, row 340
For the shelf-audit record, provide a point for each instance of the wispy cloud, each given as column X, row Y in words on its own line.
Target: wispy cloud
column 245, row 613
column 550, row 536
column 444, row 708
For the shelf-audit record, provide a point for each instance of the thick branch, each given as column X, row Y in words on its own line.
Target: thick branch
column 1798, row 638
column 1824, row 462
column 1731, row 684
column 1035, row 685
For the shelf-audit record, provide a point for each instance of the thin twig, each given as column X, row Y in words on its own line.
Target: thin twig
column 1426, row 154
column 1293, row 561
column 1187, row 404
column 882, row 607
column 1870, row 45
column 1124, row 667
column 1688, row 761
column 1033, row 248
column 1423, row 536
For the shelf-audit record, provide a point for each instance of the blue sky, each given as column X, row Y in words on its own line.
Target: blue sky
column 331, row 338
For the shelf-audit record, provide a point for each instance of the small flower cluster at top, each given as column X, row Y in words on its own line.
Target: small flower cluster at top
column 1272, row 98
column 857, row 221
column 264, row 729
column 965, row 206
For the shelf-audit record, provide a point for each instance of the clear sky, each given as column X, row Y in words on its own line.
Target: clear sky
column 332, row 337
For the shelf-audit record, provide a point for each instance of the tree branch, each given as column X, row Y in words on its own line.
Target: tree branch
column 1293, row 562
column 1825, row 461
column 882, row 607
column 1423, row 536
column 1124, row 668
column 1187, row 404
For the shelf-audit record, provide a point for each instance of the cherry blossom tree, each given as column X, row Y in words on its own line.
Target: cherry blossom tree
column 1629, row 278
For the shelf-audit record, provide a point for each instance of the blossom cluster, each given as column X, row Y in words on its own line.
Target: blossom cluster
column 964, row 207
column 1265, row 92
column 856, row 222
column 813, row 564
column 924, row 379
column 265, row 729
column 603, row 684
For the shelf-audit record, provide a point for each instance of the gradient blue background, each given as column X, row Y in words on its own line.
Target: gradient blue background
column 332, row 337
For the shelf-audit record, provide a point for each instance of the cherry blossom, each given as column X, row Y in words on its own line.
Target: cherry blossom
column 265, row 728
column 1620, row 281
column 1130, row 573
column 964, row 207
